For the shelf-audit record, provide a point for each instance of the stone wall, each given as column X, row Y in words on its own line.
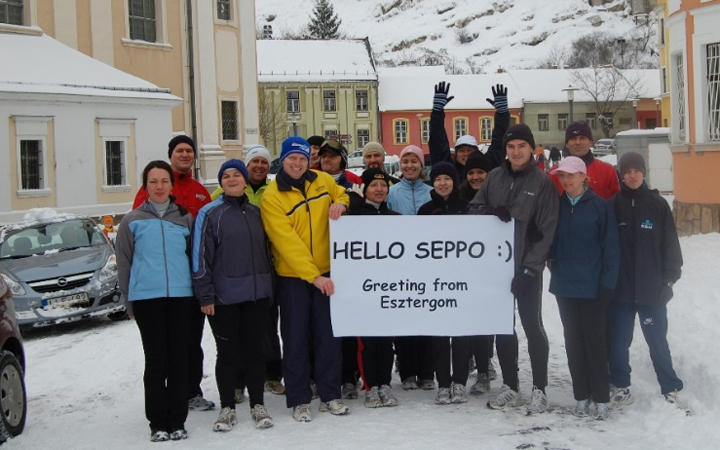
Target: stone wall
column 694, row 218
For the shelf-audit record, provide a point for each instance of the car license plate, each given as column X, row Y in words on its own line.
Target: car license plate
column 79, row 299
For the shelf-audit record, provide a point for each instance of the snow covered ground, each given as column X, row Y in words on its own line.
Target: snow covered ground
column 85, row 392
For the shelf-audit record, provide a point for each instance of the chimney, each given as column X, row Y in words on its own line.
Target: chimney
column 500, row 70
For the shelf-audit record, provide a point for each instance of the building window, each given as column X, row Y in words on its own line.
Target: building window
column 486, row 126
column 543, row 122
column 625, row 121
column 591, row 120
column 680, row 100
column 460, row 127
column 267, row 32
column 293, row 101
column 713, row 91
column 562, row 121
column 223, row 9
column 363, row 137
column 329, row 101
column 229, row 121
column 361, row 100
column 401, row 131
column 31, row 165
column 11, row 12
column 661, row 31
column 331, row 134
column 114, row 163
column 143, row 24
column 425, row 123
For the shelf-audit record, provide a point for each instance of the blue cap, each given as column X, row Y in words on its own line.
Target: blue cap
column 233, row 164
column 295, row 144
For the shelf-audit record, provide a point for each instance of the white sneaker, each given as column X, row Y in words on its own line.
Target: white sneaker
column 198, row 403
column 301, row 413
column 386, row 396
column 336, row 407
column 410, row 384
column 538, row 402
column 621, row 396
column 372, row 398
column 159, row 436
column 582, row 408
column 505, row 398
column 602, row 411
column 179, row 435
column 482, row 385
column 226, row 420
column 458, row 394
column 674, row 398
column 443, row 396
column 261, row 417
column 349, row 391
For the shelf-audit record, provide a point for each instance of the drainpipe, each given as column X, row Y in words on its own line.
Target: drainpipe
column 191, row 78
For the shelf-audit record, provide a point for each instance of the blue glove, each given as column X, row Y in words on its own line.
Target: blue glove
column 499, row 101
column 440, row 99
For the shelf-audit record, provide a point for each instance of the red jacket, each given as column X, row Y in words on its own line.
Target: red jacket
column 603, row 179
column 188, row 192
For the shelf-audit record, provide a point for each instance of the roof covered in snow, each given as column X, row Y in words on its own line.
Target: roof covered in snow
column 39, row 64
column 314, row 61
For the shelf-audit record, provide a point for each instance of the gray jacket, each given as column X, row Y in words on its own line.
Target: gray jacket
column 532, row 200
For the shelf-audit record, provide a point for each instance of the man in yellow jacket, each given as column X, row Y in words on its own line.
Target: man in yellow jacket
column 295, row 210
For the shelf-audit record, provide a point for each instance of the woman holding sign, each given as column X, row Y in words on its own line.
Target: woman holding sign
column 448, row 357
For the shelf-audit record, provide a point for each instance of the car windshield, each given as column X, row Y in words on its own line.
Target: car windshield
column 51, row 237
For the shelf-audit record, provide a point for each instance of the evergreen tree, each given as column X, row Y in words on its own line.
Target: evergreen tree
column 325, row 23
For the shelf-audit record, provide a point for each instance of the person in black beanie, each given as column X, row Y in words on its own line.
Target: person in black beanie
column 476, row 169
column 315, row 143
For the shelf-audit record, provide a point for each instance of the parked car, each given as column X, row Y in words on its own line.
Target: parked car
column 13, row 397
column 604, row 147
column 355, row 159
column 275, row 166
column 59, row 268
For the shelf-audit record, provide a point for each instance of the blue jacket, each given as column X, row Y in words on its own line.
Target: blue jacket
column 407, row 197
column 586, row 252
column 230, row 253
column 152, row 254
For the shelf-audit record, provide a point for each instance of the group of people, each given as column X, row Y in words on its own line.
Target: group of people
column 257, row 251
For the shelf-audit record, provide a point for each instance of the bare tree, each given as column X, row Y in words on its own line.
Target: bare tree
column 272, row 119
column 610, row 89
column 557, row 57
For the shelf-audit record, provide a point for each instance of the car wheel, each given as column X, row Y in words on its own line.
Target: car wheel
column 13, row 399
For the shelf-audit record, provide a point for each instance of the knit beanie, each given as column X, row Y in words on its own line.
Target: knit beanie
column 478, row 160
column 180, row 139
column 295, row 144
column 466, row 140
column 444, row 168
column 414, row 149
column 257, row 151
column 579, row 128
column 519, row 131
column 371, row 147
column 631, row 160
column 233, row 164
column 374, row 174
column 316, row 140
column 336, row 148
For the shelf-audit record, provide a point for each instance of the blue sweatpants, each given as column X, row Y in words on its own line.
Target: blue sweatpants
column 654, row 325
column 305, row 310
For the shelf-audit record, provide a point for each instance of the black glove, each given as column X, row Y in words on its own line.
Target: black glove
column 499, row 101
column 666, row 293
column 606, row 295
column 500, row 212
column 524, row 283
column 440, row 99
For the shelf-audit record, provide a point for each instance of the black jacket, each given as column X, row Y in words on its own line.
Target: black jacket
column 454, row 205
column 363, row 208
column 650, row 254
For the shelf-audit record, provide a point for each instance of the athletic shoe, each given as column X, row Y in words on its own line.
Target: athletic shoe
column 178, row 435
column 458, row 394
column 387, row 397
column 226, row 420
column 538, row 402
column 426, row 385
column 336, row 407
column 261, row 417
column 602, row 411
column 159, row 436
column 443, row 396
column 274, row 387
column 372, row 398
column 313, row 388
column 505, row 398
column 620, row 396
column 492, row 373
column 198, row 403
column 481, row 386
column 349, row 391
column 674, row 398
column 410, row 384
column 582, row 408
column 239, row 395
column 301, row 413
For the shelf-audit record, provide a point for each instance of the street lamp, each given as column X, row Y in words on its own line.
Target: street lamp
column 294, row 119
column 657, row 111
column 420, row 116
column 570, row 90
column 635, row 104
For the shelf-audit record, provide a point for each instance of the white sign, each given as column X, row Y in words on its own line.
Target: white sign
column 421, row 276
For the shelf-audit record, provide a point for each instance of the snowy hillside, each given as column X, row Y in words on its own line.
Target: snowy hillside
column 497, row 33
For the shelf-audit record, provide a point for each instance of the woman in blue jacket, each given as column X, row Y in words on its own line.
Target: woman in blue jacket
column 233, row 283
column 152, row 248
column 584, row 263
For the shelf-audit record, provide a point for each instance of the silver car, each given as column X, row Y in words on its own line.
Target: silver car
column 59, row 269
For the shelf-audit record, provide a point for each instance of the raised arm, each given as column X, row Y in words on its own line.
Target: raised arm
column 438, row 140
column 496, row 153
